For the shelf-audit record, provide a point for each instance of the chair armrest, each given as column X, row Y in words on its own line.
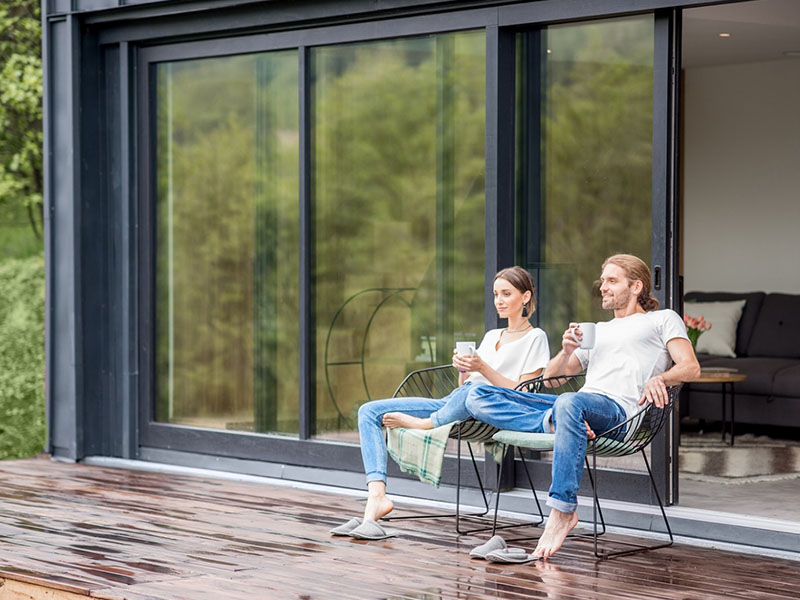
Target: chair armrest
column 572, row 383
column 423, row 382
column 525, row 386
column 639, row 417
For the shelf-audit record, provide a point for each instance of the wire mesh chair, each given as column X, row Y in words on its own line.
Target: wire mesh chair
column 627, row 438
column 438, row 382
column 640, row 430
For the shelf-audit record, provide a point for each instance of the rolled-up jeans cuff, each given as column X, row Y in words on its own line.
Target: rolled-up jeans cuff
column 560, row 505
column 376, row 477
column 435, row 420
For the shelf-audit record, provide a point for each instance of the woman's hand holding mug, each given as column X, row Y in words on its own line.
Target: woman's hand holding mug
column 464, row 357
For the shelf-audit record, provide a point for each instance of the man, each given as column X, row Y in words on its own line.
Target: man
column 628, row 366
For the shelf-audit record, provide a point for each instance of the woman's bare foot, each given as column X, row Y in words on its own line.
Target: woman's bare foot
column 559, row 524
column 398, row 419
column 378, row 506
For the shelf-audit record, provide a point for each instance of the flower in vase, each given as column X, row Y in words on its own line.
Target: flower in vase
column 694, row 327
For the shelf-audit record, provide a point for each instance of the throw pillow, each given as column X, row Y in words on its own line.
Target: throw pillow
column 724, row 317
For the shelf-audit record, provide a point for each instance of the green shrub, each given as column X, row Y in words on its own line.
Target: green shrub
column 22, row 420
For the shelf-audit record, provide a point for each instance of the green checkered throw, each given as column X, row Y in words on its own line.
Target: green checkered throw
column 420, row 452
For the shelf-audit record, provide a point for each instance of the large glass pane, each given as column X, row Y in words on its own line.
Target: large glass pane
column 586, row 189
column 398, row 201
column 227, row 242
column 584, row 179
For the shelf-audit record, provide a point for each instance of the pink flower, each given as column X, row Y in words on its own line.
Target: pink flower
column 699, row 323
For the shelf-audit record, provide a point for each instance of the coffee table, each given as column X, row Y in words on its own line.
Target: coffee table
column 726, row 380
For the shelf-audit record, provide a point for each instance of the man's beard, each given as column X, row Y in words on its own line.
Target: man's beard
column 618, row 300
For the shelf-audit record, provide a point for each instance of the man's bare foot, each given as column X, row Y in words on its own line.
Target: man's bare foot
column 398, row 419
column 559, row 524
column 378, row 506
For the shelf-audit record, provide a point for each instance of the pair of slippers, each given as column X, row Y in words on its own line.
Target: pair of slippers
column 364, row 530
column 496, row 550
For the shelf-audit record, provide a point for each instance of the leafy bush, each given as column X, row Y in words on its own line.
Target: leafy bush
column 22, row 420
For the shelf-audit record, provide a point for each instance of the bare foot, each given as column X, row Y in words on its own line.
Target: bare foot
column 378, row 506
column 398, row 419
column 559, row 524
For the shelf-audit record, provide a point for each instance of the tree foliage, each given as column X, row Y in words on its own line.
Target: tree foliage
column 388, row 119
column 21, row 110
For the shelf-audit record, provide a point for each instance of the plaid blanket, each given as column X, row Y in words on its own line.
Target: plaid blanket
column 421, row 451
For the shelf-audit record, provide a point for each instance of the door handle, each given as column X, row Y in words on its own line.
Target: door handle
column 657, row 278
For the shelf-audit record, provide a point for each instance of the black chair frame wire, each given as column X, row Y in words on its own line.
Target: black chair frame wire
column 647, row 423
column 437, row 382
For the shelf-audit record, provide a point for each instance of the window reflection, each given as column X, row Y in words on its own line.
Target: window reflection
column 227, row 242
column 398, row 204
column 589, row 193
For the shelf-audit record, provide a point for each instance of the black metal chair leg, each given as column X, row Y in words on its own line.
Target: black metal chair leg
column 497, row 487
column 496, row 527
column 457, row 514
column 458, row 492
column 636, row 546
column 533, row 490
column 596, row 509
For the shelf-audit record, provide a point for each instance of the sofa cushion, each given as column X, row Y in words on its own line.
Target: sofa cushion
column 777, row 331
column 747, row 323
column 787, row 382
column 724, row 318
column 761, row 373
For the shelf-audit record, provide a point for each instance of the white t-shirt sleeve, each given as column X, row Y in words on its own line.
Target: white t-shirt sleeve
column 671, row 326
column 538, row 353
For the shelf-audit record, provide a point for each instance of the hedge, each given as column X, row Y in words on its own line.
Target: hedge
column 22, row 418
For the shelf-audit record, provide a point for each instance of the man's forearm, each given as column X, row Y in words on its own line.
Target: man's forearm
column 559, row 365
column 681, row 373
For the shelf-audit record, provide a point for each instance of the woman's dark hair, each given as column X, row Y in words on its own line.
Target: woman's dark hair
column 520, row 279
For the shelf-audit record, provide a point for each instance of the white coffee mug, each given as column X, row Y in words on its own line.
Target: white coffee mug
column 465, row 348
column 588, row 333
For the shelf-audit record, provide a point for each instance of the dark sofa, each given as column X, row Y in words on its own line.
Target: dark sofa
column 767, row 351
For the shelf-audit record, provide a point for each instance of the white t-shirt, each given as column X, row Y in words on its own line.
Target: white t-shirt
column 627, row 352
column 528, row 354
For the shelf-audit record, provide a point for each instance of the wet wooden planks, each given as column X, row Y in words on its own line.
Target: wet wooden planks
column 71, row 531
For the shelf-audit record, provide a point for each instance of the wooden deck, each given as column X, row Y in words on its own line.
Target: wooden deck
column 72, row 531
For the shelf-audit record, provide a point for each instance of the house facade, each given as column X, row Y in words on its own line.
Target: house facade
column 261, row 214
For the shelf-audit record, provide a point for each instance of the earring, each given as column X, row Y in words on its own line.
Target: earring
column 524, row 311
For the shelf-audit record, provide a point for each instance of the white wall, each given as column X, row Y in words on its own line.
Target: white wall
column 741, row 169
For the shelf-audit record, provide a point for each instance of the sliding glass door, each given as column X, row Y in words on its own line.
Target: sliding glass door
column 590, row 178
column 227, row 242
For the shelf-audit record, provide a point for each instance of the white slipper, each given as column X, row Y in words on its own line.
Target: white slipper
column 495, row 543
column 510, row 555
column 346, row 528
column 370, row 530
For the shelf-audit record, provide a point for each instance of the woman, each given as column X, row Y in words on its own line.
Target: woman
column 505, row 357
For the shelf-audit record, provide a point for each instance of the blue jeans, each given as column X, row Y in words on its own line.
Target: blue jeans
column 521, row 411
column 449, row 409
